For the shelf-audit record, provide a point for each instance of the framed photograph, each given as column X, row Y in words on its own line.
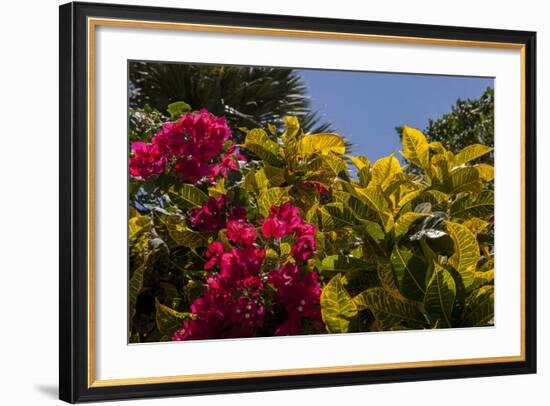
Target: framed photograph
column 257, row 202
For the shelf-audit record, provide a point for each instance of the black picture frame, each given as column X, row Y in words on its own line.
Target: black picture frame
column 74, row 200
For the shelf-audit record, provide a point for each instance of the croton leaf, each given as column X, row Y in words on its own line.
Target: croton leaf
column 480, row 307
column 169, row 320
column 341, row 263
column 258, row 142
column 415, row 147
column 387, row 309
column 186, row 195
column 410, row 273
column 466, row 255
column 337, row 307
column 470, row 153
column 323, row 143
column 440, row 296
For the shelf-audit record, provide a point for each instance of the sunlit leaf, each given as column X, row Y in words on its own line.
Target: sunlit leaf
column 337, row 306
column 415, row 147
column 470, row 153
column 466, row 254
column 387, row 309
column 265, row 148
column 323, row 143
column 187, row 195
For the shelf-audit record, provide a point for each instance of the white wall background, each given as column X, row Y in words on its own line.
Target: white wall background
column 29, row 203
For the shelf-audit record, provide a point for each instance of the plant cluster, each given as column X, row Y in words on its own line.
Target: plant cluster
column 287, row 233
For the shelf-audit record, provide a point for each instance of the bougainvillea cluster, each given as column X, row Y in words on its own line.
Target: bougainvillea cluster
column 244, row 296
column 192, row 147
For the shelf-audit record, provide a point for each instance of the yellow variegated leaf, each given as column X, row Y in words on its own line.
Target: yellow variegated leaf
column 337, row 306
column 410, row 197
column 486, row 172
column 470, row 153
column 404, row 222
column 323, row 143
column 374, row 197
column 484, row 278
column 387, row 309
column 274, row 175
column 475, row 205
column 384, row 170
column 440, row 295
column 292, row 128
column 169, row 320
column 187, row 195
column 265, row 148
column 415, row 147
column 466, row 254
column 464, row 180
column 218, row 189
column 475, row 225
column 359, row 161
column 437, row 147
column 178, row 231
column 480, row 307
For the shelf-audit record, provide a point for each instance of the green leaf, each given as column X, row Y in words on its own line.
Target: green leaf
column 342, row 263
column 169, row 320
column 410, row 273
column 464, row 180
column 376, row 200
column 176, row 109
column 486, row 172
column 323, row 143
column 360, row 162
column 480, row 307
column 384, row 170
column 415, row 147
column 272, row 197
column 337, row 307
column 258, row 142
column 483, row 278
column 466, row 255
column 440, row 295
column 405, row 221
column 387, row 309
column 135, row 286
column 475, row 205
column 178, row 231
column 187, row 195
column 470, row 153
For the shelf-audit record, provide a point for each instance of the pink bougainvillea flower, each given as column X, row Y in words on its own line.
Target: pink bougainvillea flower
column 192, row 170
column 201, row 134
column 214, row 253
column 303, row 248
column 237, row 213
column 299, row 293
column 210, row 217
column 241, row 233
column 147, row 160
column 290, row 215
column 273, row 227
column 282, row 220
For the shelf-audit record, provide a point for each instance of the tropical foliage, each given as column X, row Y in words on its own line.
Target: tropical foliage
column 288, row 233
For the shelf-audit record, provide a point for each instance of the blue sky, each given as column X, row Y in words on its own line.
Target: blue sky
column 365, row 107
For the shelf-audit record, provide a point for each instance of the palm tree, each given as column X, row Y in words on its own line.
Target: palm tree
column 247, row 96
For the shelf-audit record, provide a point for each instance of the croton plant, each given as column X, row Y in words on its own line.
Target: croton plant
column 288, row 233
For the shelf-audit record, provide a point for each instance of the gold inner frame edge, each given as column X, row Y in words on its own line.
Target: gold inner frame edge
column 92, row 23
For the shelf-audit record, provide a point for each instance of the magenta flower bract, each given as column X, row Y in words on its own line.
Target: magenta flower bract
column 210, row 217
column 147, row 160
